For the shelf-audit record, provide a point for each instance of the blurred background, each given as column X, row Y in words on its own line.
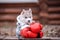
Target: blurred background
column 47, row 12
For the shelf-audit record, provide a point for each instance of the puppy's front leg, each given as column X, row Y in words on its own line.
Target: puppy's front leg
column 18, row 30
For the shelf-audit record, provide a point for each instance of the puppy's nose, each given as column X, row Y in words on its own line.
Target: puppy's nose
column 28, row 20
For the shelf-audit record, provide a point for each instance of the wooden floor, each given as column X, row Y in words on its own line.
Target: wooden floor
column 15, row 38
column 8, row 37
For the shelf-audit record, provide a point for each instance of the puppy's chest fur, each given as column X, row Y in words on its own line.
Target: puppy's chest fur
column 22, row 26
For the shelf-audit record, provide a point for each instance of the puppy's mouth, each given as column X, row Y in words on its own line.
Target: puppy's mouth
column 28, row 23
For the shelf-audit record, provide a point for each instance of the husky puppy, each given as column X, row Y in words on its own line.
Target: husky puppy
column 23, row 20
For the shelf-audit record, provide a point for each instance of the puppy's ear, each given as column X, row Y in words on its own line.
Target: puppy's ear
column 22, row 11
column 30, row 9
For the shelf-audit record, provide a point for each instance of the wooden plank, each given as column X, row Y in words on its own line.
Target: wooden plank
column 16, row 10
column 35, row 17
column 54, row 16
column 8, row 17
column 54, row 22
column 7, row 24
column 54, row 13
column 11, row 38
column 9, row 10
column 2, row 5
column 54, row 9
column 43, row 14
column 57, row 2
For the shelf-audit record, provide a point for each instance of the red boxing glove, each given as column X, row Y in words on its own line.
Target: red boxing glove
column 41, row 34
column 26, row 33
column 31, row 34
column 36, row 27
column 41, row 26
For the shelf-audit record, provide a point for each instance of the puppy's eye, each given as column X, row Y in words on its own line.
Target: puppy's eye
column 25, row 17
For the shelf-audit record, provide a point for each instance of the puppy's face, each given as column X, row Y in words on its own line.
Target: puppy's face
column 27, row 16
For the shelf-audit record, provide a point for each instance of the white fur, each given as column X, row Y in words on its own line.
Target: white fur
column 22, row 20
